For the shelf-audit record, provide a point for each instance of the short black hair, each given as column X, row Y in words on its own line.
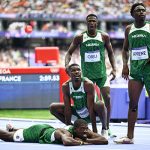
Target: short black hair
column 74, row 64
column 135, row 5
column 79, row 122
column 91, row 15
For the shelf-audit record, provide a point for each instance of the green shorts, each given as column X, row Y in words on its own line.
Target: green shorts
column 101, row 82
column 34, row 134
column 143, row 77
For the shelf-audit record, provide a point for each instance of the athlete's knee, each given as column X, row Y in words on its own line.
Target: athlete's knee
column 99, row 106
column 52, row 107
column 107, row 101
column 56, row 108
column 133, row 107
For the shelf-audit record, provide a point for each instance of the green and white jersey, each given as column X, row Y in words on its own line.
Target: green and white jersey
column 79, row 98
column 139, row 46
column 92, row 53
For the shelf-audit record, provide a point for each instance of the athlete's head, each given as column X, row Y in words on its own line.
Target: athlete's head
column 91, row 15
column 74, row 71
column 92, row 21
column 81, row 128
column 138, row 9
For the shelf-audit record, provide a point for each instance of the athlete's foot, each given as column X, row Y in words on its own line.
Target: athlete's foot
column 104, row 133
column 9, row 128
column 124, row 140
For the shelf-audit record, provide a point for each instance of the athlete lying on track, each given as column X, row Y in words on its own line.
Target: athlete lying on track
column 78, row 134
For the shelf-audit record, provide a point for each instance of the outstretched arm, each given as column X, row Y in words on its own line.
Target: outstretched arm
column 95, row 138
column 66, row 138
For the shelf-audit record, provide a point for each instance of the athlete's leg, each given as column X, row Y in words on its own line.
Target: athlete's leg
column 105, row 91
column 6, row 136
column 101, row 111
column 57, row 109
column 147, row 78
column 134, row 88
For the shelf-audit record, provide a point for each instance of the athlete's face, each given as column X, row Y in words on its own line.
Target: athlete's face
column 82, row 131
column 92, row 23
column 75, row 73
column 139, row 13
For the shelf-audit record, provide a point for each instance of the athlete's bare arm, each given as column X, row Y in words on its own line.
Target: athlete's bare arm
column 110, row 52
column 90, row 91
column 125, row 54
column 95, row 138
column 67, row 103
column 73, row 46
column 66, row 137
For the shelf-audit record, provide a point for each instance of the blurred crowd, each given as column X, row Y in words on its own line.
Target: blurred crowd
column 75, row 7
column 65, row 9
column 21, row 58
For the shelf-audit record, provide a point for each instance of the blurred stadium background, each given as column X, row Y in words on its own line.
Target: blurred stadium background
column 55, row 23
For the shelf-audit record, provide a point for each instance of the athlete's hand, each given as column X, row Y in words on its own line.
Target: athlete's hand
column 125, row 72
column 69, row 141
column 113, row 75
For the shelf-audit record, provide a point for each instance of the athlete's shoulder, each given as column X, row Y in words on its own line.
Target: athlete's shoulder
column 102, row 32
column 129, row 26
column 81, row 34
column 66, row 84
column 78, row 39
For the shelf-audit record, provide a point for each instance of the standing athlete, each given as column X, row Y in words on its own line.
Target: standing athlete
column 86, row 103
column 137, row 43
column 78, row 134
column 92, row 45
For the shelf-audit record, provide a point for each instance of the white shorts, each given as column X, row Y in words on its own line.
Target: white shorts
column 18, row 136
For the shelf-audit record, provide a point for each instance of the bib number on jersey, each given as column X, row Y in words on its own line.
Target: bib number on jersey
column 139, row 53
column 83, row 113
column 92, row 56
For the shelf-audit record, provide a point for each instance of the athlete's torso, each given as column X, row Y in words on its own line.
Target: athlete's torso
column 92, row 53
column 79, row 97
column 139, row 45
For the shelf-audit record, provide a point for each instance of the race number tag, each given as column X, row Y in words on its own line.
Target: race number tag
column 139, row 53
column 92, row 56
column 83, row 113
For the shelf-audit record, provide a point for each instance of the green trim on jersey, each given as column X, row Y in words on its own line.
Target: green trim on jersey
column 92, row 51
column 139, row 46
